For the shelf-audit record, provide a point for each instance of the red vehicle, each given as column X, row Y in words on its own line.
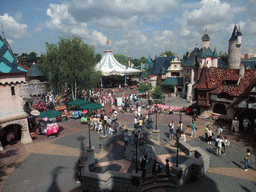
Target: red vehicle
column 193, row 109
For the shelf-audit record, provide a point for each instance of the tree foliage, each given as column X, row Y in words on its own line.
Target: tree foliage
column 167, row 53
column 70, row 62
column 144, row 87
column 137, row 62
column 98, row 57
column 185, row 56
column 157, row 93
column 121, row 59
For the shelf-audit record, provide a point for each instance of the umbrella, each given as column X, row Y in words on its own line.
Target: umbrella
column 78, row 102
column 50, row 114
column 91, row 106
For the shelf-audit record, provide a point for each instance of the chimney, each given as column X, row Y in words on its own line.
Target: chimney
column 241, row 71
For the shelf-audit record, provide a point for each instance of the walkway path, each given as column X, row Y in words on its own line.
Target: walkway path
column 48, row 163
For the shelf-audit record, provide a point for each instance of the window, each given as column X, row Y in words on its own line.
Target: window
column 176, row 74
column 225, row 96
column 202, row 95
column 12, row 90
column 187, row 71
column 230, row 82
column 187, row 79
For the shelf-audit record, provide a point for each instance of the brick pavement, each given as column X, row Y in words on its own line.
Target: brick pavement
column 65, row 146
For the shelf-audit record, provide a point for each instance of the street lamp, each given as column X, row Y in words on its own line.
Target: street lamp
column 156, row 108
column 180, row 114
column 178, row 132
column 104, row 123
column 136, row 144
column 90, row 144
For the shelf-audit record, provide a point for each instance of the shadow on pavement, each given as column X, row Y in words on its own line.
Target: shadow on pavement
column 235, row 163
column 54, row 186
column 245, row 188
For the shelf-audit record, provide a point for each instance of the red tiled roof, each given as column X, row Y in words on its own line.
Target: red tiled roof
column 219, row 75
column 204, row 82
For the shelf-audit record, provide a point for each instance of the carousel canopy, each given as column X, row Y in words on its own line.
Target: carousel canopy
column 108, row 65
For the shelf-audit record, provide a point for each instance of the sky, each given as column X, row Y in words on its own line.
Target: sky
column 135, row 28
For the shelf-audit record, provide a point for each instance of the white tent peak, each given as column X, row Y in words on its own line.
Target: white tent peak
column 108, row 65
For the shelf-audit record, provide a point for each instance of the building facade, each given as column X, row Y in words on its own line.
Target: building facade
column 13, row 119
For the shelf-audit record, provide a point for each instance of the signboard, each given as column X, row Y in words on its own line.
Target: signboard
column 119, row 101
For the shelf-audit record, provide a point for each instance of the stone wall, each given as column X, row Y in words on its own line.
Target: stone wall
column 116, row 181
column 110, row 180
column 196, row 166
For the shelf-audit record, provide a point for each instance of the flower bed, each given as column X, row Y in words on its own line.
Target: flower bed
column 167, row 108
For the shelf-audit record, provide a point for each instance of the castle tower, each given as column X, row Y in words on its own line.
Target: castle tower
column 206, row 40
column 234, row 49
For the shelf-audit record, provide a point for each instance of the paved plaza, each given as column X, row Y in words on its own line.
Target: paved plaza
column 49, row 164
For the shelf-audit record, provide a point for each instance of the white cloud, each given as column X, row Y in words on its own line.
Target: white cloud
column 98, row 38
column 212, row 14
column 13, row 28
column 115, row 22
column 38, row 29
column 10, row 41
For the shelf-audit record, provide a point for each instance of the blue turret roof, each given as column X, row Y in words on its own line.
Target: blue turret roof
column 215, row 54
column 149, row 63
column 205, row 52
column 191, row 61
column 8, row 64
column 235, row 33
column 34, row 72
column 160, row 63
column 205, row 37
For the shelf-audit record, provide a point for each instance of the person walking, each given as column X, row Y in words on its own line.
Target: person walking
column 219, row 131
column 219, row 141
column 171, row 129
column 247, row 159
column 206, row 133
column 167, row 169
column 225, row 143
column 143, row 167
column 140, row 123
column 209, row 133
column 193, row 128
column 156, row 168
column 135, row 122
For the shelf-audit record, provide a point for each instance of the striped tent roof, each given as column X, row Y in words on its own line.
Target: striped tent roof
column 8, row 64
column 108, row 65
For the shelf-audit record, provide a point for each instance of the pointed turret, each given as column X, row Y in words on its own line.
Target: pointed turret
column 234, row 50
column 205, row 39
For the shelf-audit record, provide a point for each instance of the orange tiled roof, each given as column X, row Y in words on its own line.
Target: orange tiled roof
column 219, row 75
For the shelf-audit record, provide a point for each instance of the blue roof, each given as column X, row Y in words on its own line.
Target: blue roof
column 206, row 37
column 34, row 72
column 191, row 61
column 249, row 63
column 205, row 52
column 174, row 81
column 149, row 63
column 160, row 63
column 222, row 62
column 8, row 64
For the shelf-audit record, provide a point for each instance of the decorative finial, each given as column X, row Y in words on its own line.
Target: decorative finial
column 206, row 31
column 107, row 41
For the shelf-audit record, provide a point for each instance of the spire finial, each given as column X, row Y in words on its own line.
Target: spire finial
column 107, row 41
column 206, row 31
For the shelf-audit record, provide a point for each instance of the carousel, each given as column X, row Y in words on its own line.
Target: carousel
column 113, row 72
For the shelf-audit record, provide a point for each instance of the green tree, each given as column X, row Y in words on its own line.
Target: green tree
column 144, row 87
column 158, row 94
column 32, row 57
column 121, row 59
column 98, row 57
column 168, row 53
column 185, row 56
column 70, row 62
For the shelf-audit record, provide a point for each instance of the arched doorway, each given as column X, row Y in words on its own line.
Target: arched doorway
column 10, row 134
column 220, row 109
column 250, row 114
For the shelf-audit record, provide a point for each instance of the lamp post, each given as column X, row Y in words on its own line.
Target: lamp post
column 156, row 116
column 136, row 144
column 180, row 114
column 90, row 144
column 104, row 123
column 178, row 131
